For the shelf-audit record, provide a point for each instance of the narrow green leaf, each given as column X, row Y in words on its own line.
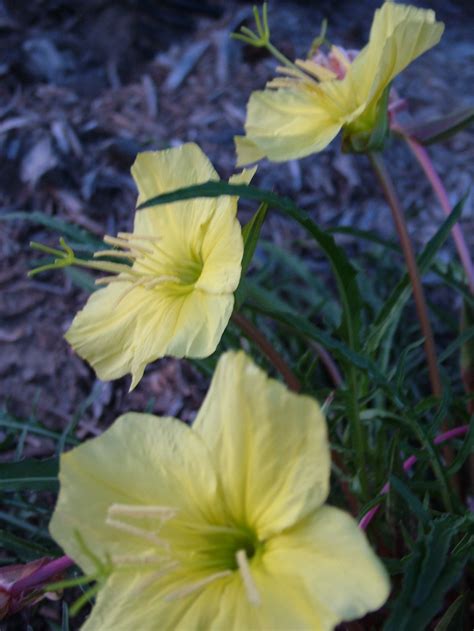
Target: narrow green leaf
column 69, row 230
column 448, row 620
column 251, row 233
column 402, row 292
column 410, row 499
column 400, row 613
column 65, row 617
column 467, row 448
column 466, row 336
column 437, row 544
column 24, row 549
column 302, row 327
column 29, row 474
column 441, row 128
column 344, row 272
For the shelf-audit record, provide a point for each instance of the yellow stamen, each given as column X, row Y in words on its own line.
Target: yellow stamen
column 292, row 72
column 250, row 587
column 315, row 70
column 193, row 587
column 136, row 559
column 130, row 236
column 137, row 510
column 161, row 279
column 137, row 532
column 116, row 253
column 281, row 82
column 149, row 580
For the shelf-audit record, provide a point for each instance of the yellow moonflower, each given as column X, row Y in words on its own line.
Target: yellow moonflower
column 177, row 296
column 221, row 525
column 320, row 96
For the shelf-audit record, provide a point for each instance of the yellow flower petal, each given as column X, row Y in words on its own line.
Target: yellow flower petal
column 399, row 34
column 189, row 521
column 141, row 460
column 120, row 333
column 286, row 124
column 178, row 296
column 293, row 122
column 244, row 177
column 336, row 562
column 271, row 450
column 157, row 172
column 247, row 151
column 127, row 602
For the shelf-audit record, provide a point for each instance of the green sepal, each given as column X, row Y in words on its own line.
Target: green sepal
column 372, row 138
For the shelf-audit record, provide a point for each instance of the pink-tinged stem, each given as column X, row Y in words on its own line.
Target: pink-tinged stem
column 44, row 574
column 427, row 165
column 412, row 269
column 407, row 465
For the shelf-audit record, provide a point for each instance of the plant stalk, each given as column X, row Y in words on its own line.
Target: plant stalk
column 41, row 576
column 267, row 349
column 426, row 164
column 412, row 267
column 407, row 465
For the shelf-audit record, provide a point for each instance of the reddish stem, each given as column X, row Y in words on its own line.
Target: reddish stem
column 267, row 349
column 427, row 165
column 412, row 268
column 44, row 574
column 407, row 465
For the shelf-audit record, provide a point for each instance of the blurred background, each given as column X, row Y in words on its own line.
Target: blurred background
column 86, row 85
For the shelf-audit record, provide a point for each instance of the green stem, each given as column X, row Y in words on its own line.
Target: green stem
column 412, row 267
column 280, row 56
column 357, row 431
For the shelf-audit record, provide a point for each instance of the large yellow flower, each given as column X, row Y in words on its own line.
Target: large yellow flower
column 177, row 296
column 220, row 526
column 316, row 99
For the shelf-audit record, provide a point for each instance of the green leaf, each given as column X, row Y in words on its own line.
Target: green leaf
column 345, row 274
column 437, row 544
column 461, row 342
column 439, row 129
column 448, row 622
column 250, row 234
column 411, row 500
column 430, row 572
column 29, row 474
column 69, row 230
column 302, row 327
column 467, row 448
column 402, row 292
column 373, row 138
column 24, row 549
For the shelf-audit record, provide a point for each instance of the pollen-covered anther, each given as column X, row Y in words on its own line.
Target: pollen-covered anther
column 250, row 588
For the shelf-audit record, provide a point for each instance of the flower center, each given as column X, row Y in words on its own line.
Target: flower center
column 337, row 61
column 152, row 265
column 211, row 552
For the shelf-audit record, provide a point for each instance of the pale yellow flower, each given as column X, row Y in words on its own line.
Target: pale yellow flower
column 221, row 526
column 312, row 103
column 177, row 296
